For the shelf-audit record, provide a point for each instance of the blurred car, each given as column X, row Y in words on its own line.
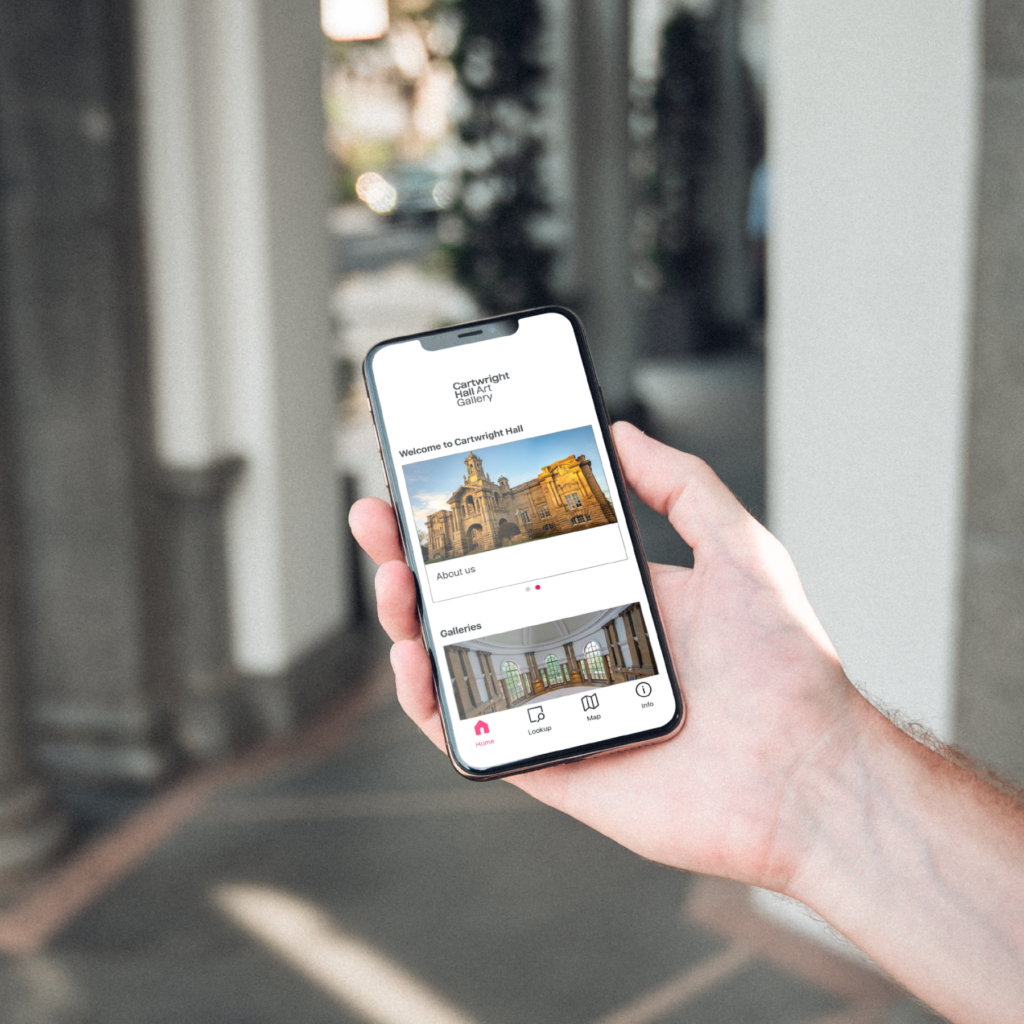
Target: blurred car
column 413, row 191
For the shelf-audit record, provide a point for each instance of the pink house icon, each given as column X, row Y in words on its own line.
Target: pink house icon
column 481, row 727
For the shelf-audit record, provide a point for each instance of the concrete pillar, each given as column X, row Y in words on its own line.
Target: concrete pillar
column 990, row 695
column 235, row 199
column 31, row 827
column 603, row 196
column 872, row 148
column 74, row 347
column 199, row 637
column 872, row 114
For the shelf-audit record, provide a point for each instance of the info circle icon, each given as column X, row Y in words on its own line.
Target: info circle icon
column 643, row 689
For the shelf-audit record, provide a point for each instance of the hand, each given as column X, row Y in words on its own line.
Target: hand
column 766, row 696
column 783, row 776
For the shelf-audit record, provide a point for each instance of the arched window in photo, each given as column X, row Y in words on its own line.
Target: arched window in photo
column 515, row 685
column 556, row 673
column 595, row 663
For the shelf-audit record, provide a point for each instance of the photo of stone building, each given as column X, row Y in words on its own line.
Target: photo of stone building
column 553, row 659
column 565, row 496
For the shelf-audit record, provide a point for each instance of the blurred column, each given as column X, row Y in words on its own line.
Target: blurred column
column 990, row 697
column 870, row 293
column 31, row 827
column 602, row 232
column 197, row 471
column 236, row 194
column 76, row 395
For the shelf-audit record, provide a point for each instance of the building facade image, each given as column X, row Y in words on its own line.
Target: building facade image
column 538, row 663
column 483, row 515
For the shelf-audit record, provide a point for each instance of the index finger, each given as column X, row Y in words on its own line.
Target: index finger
column 373, row 524
column 679, row 486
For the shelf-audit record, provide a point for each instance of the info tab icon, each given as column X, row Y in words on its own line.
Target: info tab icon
column 589, row 701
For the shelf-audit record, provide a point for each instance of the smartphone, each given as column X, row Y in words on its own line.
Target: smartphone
column 535, row 601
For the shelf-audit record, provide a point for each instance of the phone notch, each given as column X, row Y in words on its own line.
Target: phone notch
column 467, row 334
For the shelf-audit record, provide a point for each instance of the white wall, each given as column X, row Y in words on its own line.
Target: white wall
column 235, row 197
column 872, row 139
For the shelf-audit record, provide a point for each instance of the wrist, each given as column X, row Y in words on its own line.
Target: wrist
column 828, row 794
column 835, row 803
column 906, row 850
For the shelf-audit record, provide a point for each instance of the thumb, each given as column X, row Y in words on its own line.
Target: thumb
column 679, row 486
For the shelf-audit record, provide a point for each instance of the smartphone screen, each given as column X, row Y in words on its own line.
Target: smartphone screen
column 534, row 598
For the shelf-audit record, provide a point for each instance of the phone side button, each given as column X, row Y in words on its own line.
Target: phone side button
column 387, row 486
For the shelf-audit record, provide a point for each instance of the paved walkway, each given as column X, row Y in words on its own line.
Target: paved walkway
column 351, row 876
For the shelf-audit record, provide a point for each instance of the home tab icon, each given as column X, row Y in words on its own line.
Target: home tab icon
column 482, row 727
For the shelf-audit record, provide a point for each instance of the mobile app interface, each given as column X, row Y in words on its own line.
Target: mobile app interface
column 532, row 593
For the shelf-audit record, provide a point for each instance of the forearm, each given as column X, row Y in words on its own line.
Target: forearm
column 921, row 864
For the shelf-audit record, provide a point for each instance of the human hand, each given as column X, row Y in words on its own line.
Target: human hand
column 783, row 776
column 766, row 697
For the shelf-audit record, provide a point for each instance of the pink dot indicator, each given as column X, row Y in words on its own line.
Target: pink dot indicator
column 537, row 587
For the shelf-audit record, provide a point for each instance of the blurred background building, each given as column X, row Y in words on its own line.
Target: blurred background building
column 793, row 229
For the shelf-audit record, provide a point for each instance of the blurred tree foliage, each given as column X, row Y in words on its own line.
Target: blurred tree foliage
column 684, row 105
column 498, row 68
column 689, row 128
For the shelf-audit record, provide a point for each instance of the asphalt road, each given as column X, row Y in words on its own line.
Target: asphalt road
column 393, row 241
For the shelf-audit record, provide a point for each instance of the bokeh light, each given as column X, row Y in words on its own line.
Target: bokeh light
column 354, row 19
column 376, row 191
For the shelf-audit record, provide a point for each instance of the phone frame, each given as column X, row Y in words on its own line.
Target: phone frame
column 627, row 742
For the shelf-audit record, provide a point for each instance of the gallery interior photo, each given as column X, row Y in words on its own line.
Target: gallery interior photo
column 542, row 662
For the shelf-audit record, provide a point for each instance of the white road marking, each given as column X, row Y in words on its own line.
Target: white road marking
column 681, row 989
column 370, row 984
column 349, row 970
